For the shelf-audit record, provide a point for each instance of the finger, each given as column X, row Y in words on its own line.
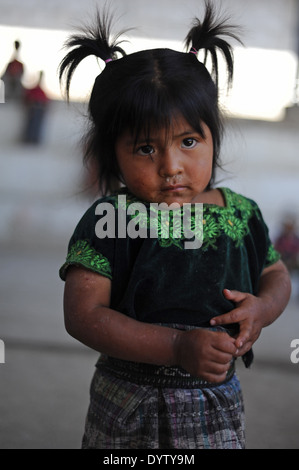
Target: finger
column 234, row 316
column 234, row 295
column 220, row 357
column 246, row 347
column 217, row 372
column 243, row 336
column 224, row 344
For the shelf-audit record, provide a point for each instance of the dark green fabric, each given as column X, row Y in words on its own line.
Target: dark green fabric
column 157, row 280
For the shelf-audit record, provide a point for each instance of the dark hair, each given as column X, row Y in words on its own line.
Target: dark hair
column 149, row 88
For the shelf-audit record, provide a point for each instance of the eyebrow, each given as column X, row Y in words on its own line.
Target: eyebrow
column 153, row 139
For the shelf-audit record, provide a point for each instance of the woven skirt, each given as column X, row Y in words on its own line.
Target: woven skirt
column 128, row 415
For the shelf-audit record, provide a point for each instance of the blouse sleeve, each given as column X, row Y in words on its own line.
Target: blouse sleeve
column 269, row 254
column 86, row 250
column 272, row 255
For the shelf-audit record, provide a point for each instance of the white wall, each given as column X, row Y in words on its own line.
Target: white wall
column 267, row 23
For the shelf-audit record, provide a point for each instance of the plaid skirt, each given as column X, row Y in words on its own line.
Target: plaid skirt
column 128, row 415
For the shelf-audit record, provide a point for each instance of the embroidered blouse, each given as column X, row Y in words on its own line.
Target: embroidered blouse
column 155, row 279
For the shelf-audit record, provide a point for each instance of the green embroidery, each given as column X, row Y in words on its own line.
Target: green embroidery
column 233, row 227
column 272, row 256
column 211, row 231
column 83, row 254
column 232, row 220
column 168, row 225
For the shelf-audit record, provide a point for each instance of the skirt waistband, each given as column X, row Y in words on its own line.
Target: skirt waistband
column 156, row 376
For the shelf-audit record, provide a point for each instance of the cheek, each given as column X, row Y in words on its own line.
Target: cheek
column 204, row 165
column 135, row 179
column 140, row 180
column 202, row 171
column 126, row 169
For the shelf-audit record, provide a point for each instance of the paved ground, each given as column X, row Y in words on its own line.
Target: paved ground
column 45, row 378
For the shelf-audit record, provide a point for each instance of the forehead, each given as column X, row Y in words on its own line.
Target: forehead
column 176, row 127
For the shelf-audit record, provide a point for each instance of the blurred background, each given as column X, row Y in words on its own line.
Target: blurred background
column 44, row 191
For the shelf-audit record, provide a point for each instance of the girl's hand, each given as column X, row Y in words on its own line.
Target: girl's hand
column 253, row 313
column 248, row 314
column 204, row 353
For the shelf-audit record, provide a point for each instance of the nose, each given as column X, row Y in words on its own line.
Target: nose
column 171, row 163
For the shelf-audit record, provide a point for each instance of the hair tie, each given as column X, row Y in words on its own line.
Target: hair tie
column 108, row 60
column 193, row 51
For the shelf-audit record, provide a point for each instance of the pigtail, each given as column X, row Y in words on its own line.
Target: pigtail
column 95, row 40
column 206, row 35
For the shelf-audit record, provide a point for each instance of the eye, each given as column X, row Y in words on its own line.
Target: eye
column 189, row 142
column 145, row 150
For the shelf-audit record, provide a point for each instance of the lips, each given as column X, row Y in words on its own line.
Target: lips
column 174, row 187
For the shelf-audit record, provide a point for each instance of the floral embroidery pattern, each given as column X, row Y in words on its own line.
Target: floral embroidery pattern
column 85, row 255
column 272, row 256
column 231, row 220
column 233, row 228
column 211, row 231
column 168, row 225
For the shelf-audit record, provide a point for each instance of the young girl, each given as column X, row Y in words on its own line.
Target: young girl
column 169, row 321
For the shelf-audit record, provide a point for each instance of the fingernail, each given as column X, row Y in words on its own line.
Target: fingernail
column 226, row 292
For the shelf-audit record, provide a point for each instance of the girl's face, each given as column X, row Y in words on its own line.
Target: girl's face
column 174, row 168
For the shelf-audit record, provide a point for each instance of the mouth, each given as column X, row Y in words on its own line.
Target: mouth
column 174, row 188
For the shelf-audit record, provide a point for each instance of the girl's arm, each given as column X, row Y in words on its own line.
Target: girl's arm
column 89, row 319
column 253, row 313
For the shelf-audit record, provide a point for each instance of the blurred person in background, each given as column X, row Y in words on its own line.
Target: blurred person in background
column 12, row 76
column 287, row 243
column 36, row 104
